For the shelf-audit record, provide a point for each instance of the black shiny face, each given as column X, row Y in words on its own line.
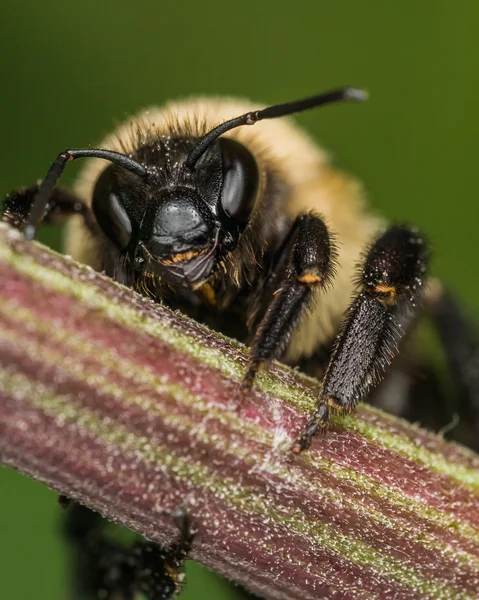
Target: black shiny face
column 174, row 222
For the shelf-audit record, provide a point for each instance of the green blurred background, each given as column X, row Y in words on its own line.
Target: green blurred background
column 71, row 70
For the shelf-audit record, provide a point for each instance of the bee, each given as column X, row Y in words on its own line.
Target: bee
column 232, row 214
column 253, row 232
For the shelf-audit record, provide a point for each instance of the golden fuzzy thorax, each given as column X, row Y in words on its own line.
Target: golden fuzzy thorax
column 310, row 184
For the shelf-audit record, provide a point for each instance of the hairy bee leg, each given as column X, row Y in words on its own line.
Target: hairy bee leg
column 104, row 568
column 166, row 582
column 181, row 548
column 307, row 260
column 62, row 204
column 460, row 340
column 391, row 280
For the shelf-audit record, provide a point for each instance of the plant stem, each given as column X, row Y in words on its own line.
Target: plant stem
column 132, row 409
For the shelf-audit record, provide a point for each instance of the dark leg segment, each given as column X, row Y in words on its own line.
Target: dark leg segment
column 62, row 204
column 390, row 280
column 106, row 568
column 306, row 261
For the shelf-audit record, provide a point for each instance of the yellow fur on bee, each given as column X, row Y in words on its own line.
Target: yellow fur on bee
column 309, row 278
column 385, row 289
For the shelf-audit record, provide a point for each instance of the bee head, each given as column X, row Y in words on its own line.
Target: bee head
column 177, row 222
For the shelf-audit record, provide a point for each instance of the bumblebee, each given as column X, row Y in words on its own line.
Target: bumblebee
column 253, row 232
column 230, row 213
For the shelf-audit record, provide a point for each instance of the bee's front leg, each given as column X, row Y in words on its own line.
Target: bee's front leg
column 305, row 265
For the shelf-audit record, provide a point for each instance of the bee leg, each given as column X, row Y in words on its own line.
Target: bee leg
column 62, row 204
column 391, row 280
column 306, row 263
column 160, row 573
column 105, row 568
column 181, row 548
column 461, row 346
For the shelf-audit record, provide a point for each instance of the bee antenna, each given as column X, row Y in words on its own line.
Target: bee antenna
column 45, row 190
column 346, row 94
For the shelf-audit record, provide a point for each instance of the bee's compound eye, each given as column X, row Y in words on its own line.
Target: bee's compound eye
column 240, row 180
column 110, row 212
